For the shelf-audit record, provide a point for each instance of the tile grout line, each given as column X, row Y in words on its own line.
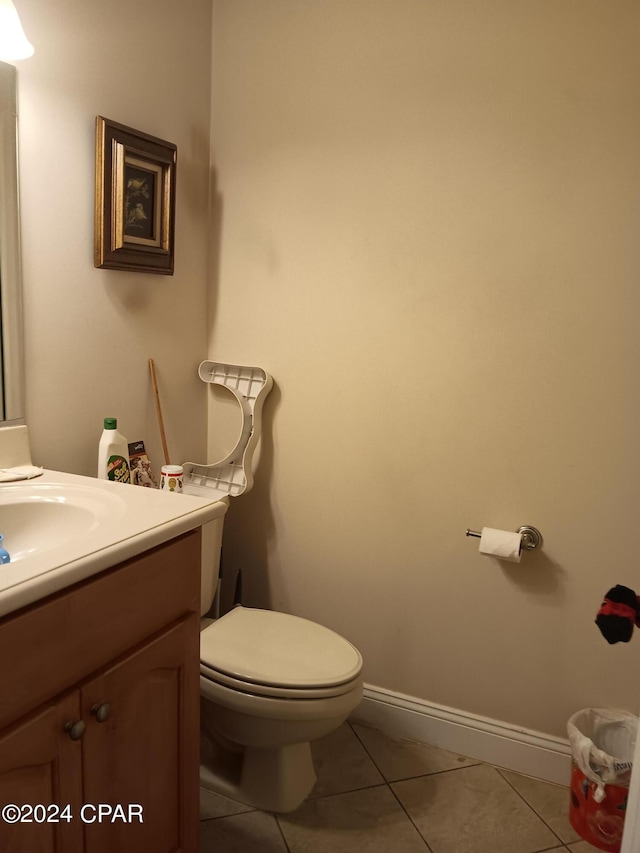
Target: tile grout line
column 497, row 769
column 344, row 793
column 472, row 763
column 437, row 773
column 552, row 849
column 249, row 810
column 281, row 831
column 424, row 840
column 393, row 793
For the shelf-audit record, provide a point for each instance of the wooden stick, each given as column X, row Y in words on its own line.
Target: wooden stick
column 154, row 383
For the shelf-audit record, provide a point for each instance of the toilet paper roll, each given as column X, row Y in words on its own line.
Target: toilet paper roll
column 501, row 544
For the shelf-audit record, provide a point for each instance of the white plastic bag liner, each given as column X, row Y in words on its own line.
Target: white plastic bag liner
column 602, row 744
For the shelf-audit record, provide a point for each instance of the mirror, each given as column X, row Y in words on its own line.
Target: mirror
column 11, row 354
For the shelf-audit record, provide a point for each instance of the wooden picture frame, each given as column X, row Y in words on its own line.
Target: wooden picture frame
column 135, row 200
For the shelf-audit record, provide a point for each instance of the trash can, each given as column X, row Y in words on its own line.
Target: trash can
column 602, row 747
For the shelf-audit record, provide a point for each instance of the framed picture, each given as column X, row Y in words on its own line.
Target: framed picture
column 135, row 200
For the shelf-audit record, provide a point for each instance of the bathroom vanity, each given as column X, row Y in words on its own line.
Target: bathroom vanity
column 99, row 706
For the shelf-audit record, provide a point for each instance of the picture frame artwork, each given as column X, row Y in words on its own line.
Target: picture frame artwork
column 135, row 200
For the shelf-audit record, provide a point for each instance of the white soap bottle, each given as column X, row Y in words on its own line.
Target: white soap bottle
column 113, row 454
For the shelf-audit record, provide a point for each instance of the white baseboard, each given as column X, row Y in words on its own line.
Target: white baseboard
column 521, row 750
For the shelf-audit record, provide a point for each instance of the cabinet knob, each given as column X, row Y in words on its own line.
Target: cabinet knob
column 101, row 712
column 76, row 729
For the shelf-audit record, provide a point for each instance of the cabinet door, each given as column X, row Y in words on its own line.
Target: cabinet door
column 40, row 765
column 144, row 755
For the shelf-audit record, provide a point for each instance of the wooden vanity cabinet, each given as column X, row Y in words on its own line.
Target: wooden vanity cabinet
column 100, row 705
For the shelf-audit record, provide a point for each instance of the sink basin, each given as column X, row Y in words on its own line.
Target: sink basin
column 60, row 529
column 37, row 517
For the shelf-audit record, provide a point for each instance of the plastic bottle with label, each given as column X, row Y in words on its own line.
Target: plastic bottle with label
column 113, row 454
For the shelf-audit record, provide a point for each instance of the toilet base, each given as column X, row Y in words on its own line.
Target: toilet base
column 273, row 780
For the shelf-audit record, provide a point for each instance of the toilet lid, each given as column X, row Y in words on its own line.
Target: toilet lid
column 264, row 647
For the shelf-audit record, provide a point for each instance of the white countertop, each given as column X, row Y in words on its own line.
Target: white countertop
column 132, row 520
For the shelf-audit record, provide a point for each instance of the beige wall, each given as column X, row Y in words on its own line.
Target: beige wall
column 429, row 231
column 90, row 332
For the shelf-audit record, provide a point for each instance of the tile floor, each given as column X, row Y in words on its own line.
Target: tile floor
column 377, row 794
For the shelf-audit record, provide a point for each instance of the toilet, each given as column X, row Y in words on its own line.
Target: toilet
column 270, row 683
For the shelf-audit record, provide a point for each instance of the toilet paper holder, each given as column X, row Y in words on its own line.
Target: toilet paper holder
column 531, row 537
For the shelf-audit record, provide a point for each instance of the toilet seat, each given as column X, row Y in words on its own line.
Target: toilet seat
column 279, row 655
column 276, row 692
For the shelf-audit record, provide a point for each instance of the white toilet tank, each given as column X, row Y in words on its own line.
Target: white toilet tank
column 210, row 562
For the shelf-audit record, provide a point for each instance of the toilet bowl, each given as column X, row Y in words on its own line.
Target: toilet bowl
column 270, row 683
